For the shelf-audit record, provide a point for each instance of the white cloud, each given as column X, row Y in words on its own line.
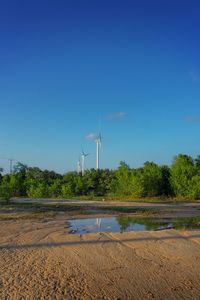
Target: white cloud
column 117, row 115
column 91, row 136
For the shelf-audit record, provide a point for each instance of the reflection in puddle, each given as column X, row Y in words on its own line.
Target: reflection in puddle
column 125, row 224
column 115, row 224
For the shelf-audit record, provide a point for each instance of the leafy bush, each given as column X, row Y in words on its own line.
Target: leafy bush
column 5, row 191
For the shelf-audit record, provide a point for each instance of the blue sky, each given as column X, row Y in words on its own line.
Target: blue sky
column 64, row 63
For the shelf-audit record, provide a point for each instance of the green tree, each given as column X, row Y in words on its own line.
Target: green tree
column 20, row 168
column 194, row 188
column 137, row 183
column 152, row 176
column 106, row 182
column 69, row 184
column 1, row 176
column 55, row 188
column 66, row 190
column 165, row 186
column 5, row 190
column 91, row 182
column 37, row 189
column 17, row 180
column 197, row 161
column 182, row 172
column 123, row 180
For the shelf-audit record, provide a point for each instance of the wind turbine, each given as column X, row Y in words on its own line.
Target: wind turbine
column 98, row 141
column 83, row 156
column 79, row 166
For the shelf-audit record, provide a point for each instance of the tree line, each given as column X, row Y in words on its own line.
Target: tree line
column 181, row 179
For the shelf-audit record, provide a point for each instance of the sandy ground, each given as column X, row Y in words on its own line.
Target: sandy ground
column 40, row 260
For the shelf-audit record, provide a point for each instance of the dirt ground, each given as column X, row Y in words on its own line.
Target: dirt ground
column 39, row 259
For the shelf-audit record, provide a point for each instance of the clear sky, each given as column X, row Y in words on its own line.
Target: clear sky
column 64, row 63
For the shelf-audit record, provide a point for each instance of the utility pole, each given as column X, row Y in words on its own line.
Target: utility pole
column 10, row 160
column 11, row 164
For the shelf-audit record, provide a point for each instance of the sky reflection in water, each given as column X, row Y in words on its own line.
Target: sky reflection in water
column 116, row 224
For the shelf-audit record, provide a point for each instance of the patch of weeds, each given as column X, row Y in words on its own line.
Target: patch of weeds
column 24, row 216
column 85, row 212
column 129, row 210
column 187, row 223
column 40, row 207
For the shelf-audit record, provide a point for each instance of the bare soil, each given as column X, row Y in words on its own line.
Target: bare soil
column 39, row 259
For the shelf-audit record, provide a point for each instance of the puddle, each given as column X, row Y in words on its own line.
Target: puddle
column 125, row 224
column 115, row 224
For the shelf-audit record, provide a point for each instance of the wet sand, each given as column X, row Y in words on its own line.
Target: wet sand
column 41, row 260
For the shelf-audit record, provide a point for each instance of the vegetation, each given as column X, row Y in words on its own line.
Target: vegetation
column 181, row 180
column 157, row 224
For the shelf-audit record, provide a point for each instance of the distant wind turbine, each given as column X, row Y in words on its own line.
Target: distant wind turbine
column 79, row 166
column 83, row 156
column 98, row 141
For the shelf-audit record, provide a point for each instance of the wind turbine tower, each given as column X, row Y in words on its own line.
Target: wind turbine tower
column 83, row 156
column 79, row 166
column 98, row 143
